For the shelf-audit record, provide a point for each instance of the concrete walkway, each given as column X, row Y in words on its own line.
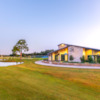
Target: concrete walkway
column 68, row 66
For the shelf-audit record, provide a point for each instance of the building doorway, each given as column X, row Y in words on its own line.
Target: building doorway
column 56, row 57
column 62, row 57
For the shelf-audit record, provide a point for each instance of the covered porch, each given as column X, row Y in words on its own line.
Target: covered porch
column 91, row 52
column 59, row 55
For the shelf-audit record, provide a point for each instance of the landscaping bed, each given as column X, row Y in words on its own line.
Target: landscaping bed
column 75, row 64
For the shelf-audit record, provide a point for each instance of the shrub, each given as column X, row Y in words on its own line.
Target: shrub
column 82, row 59
column 71, row 58
column 99, row 60
column 65, row 61
column 45, row 59
column 90, row 59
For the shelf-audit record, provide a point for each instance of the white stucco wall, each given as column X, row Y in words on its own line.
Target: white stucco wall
column 76, row 52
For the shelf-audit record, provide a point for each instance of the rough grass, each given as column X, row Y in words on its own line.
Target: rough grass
column 36, row 82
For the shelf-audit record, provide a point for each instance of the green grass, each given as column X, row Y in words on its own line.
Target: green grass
column 36, row 82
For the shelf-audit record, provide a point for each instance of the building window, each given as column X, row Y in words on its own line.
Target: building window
column 71, row 49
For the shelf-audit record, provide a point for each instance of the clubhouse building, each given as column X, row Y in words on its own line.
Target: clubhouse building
column 66, row 50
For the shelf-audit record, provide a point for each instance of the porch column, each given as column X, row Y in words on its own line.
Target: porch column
column 59, row 57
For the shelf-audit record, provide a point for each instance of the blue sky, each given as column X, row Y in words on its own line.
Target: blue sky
column 46, row 23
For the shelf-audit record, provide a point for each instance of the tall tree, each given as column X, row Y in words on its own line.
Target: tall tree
column 15, row 50
column 20, row 46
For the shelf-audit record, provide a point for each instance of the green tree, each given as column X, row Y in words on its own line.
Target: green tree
column 15, row 50
column 90, row 59
column 20, row 46
column 99, row 60
column 82, row 59
column 71, row 58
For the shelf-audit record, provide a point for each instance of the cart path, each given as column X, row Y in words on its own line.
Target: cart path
column 68, row 66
